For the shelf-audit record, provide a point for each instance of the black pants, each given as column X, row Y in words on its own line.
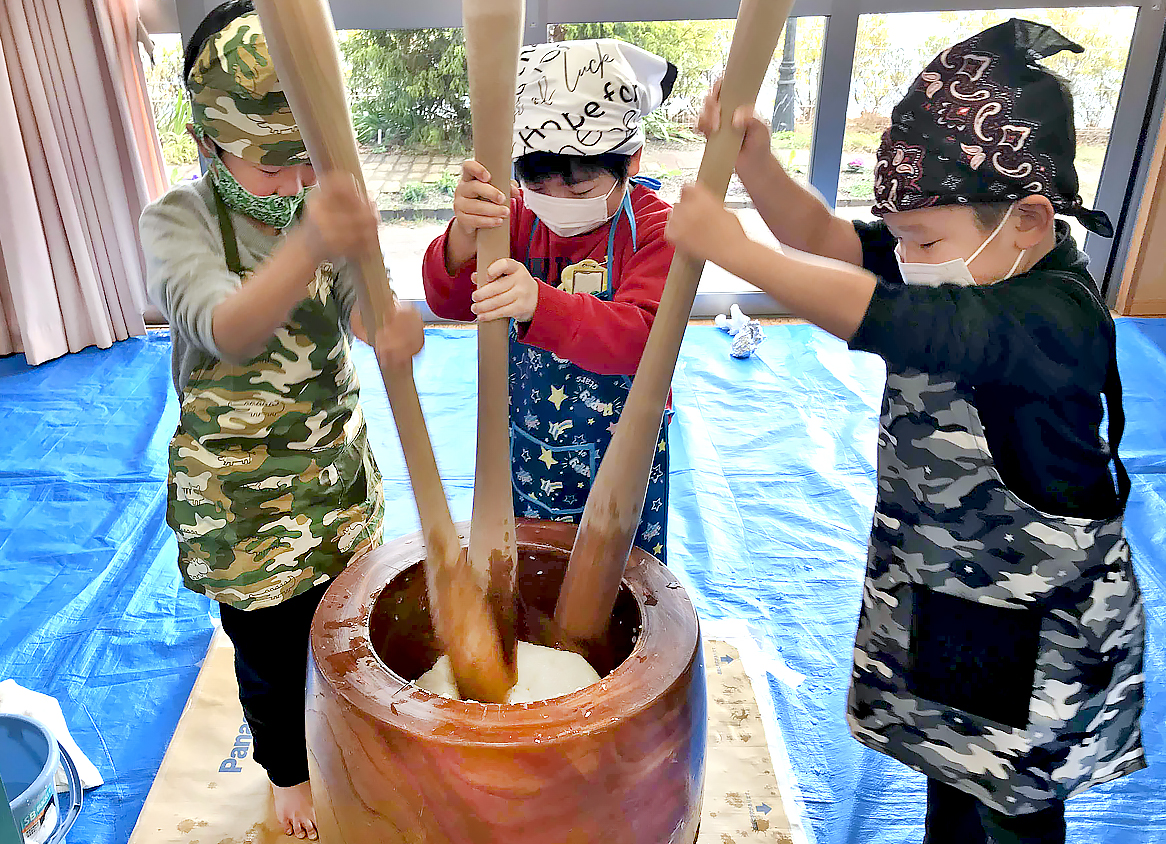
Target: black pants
column 954, row 817
column 271, row 665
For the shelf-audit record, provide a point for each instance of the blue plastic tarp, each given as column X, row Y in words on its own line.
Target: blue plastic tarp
column 772, row 488
column 91, row 609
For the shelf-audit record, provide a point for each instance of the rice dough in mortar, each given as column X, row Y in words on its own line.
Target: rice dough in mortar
column 543, row 673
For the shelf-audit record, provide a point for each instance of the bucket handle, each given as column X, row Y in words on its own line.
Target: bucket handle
column 76, row 795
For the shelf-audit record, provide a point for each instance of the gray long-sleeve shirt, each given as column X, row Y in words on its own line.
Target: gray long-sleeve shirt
column 186, row 268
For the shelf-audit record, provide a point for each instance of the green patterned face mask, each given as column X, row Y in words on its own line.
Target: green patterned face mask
column 275, row 210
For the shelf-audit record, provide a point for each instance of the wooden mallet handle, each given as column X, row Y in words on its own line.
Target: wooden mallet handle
column 302, row 39
column 616, row 502
column 493, row 34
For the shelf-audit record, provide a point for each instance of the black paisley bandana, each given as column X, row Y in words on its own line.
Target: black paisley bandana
column 986, row 123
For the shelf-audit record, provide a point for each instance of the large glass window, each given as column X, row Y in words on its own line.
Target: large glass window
column 171, row 107
column 892, row 49
column 787, row 99
column 672, row 150
column 411, row 110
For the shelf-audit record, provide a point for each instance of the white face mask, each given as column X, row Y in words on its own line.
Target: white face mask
column 569, row 217
column 955, row 271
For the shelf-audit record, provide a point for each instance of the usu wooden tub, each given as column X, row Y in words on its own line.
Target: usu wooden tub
column 619, row 762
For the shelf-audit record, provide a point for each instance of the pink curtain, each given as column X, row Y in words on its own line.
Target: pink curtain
column 80, row 160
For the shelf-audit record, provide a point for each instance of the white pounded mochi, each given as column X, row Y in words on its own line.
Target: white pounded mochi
column 542, row 673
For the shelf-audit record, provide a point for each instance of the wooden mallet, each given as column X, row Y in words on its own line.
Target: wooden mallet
column 302, row 39
column 493, row 34
column 616, row 502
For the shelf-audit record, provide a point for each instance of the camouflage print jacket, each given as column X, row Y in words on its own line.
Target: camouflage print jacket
column 273, row 487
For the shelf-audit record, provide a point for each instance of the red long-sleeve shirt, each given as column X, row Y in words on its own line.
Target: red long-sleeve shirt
column 606, row 338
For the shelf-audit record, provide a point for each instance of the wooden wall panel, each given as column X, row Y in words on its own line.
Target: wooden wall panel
column 1143, row 285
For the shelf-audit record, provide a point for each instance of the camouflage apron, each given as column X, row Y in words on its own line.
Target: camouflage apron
column 562, row 416
column 272, row 485
column 999, row 648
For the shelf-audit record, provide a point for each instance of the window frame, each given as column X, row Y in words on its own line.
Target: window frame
column 1123, row 171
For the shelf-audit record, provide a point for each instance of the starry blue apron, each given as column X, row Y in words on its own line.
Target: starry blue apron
column 562, row 418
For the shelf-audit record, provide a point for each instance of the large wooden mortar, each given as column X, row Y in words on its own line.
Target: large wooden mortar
column 619, row 762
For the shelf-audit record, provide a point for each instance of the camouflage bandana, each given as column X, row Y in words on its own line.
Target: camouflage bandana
column 986, row 123
column 274, row 210
column 237, row 100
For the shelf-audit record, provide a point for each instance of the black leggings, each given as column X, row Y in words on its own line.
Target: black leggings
column 954, row 817
column 271, row 665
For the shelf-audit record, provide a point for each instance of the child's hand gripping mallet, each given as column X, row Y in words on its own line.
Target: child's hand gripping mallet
column 302, row 39
column 616, row 501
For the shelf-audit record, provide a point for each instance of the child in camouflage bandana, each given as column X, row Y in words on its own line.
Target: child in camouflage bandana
column 272, row 486
column 999, row 645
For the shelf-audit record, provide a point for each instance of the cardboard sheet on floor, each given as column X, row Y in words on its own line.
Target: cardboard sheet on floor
column 210, row 791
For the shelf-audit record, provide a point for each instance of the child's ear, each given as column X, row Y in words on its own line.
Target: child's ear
column 1035, row 218
column 634, row 162
column 204, row 146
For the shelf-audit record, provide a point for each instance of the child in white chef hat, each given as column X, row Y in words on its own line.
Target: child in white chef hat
column 588, row 267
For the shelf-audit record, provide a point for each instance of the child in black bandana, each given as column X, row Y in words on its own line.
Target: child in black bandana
column 999, row 647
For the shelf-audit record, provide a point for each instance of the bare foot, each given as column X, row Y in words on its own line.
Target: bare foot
column 294, row 811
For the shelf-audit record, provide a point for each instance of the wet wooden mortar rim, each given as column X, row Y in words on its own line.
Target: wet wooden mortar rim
column 345, row 660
